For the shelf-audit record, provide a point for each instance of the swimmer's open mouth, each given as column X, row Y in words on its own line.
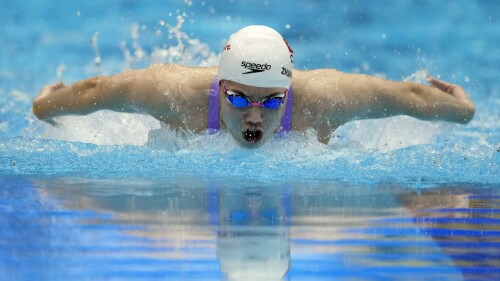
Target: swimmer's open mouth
column 252, row 135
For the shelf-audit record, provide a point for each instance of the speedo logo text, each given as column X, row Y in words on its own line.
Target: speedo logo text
column 255, row 67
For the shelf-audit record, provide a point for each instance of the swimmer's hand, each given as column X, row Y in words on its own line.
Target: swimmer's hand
column 45, row 94
column 453, row 90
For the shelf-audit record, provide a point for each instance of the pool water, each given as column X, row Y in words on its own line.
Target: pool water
column 113, row 196
column 101, row 229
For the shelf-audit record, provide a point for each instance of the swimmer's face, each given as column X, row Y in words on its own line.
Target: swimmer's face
column 251, row 126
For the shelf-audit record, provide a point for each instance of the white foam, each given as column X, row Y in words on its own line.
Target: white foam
column 103, row 128
column 390, row 133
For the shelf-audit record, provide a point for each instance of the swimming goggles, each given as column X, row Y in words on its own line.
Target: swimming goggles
column 240, row 101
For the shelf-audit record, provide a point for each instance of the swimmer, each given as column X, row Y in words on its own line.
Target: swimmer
column 252, row 94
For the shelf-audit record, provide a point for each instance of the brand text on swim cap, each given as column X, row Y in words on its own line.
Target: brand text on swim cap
column 287, row 72
column 255, row 67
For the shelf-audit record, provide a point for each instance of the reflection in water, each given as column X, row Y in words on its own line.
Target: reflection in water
column 253, row 240
column 189, row 230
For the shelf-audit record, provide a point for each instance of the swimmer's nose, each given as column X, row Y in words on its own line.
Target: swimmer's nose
column 254, row 115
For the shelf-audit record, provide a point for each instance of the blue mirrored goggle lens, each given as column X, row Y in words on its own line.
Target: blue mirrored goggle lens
column 238, row 101
column 272, row 103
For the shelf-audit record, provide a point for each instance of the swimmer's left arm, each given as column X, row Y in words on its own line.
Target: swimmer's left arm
column 327, row 99
column 439, row 101
column 339, row 97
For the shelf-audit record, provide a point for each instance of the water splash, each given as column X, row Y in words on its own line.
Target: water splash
column 94, row 43
column 418, row 76
column 183, row 50
column 59, row 71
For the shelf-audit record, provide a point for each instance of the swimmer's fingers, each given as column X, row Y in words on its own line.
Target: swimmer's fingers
column 47, row 90
column 42, row 101
column 440, row 84
column 51, row 121
column 452, row 89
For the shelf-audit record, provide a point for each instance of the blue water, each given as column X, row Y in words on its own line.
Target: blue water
column 115, row 196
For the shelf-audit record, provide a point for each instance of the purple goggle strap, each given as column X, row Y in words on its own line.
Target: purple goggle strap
column 213, row 111
column 286, row 120
column 213, row 108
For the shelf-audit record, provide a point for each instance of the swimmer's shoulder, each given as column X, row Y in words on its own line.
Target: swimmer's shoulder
column 308, row 83
column 182, row 73
column 303, row 77
column 174, row 79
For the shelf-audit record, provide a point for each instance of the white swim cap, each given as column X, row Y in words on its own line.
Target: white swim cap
column 257, row 56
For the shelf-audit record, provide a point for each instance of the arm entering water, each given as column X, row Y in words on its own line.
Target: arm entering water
column 81, row 98
column 439, row 101
column 171, row 93
column 332, row 98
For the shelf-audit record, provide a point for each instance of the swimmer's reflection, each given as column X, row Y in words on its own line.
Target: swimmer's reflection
column 251, row 229
column 250, row 225
column 253, row 236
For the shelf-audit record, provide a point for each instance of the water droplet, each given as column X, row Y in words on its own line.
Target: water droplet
column 60, row 70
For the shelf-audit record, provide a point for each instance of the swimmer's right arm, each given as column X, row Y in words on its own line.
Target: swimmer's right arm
column 80, row 98
column 159, row 91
